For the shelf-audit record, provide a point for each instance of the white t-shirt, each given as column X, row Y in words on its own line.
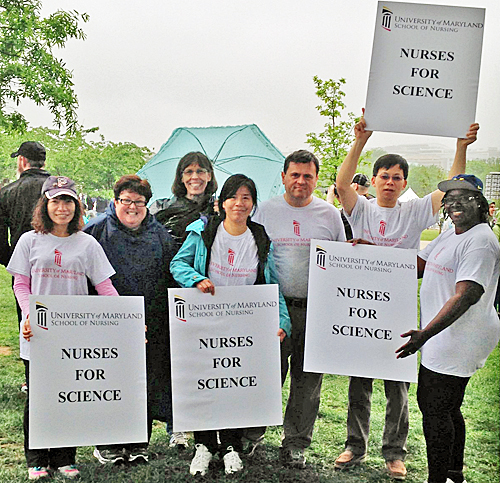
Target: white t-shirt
column 463, row 347
column 233, row 259
column 399, row 227
column 291, row 230
column 58, row 266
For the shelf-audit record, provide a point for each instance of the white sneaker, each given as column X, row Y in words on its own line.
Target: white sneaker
column 232, row 461
column 201, row 460
column 179, row 440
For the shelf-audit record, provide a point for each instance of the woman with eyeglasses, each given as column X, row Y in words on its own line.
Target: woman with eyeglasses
column 140, row 249
column 193, row 188
column 459, row 325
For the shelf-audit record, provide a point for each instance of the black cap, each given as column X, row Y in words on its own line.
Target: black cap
column 31, row 150
column 361, row 179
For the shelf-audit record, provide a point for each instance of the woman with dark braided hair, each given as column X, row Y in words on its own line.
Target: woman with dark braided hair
column 459, row 325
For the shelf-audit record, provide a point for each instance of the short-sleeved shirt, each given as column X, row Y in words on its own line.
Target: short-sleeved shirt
column 58, row 265
column 399, row 227
column 291, row 230
column 463, row 347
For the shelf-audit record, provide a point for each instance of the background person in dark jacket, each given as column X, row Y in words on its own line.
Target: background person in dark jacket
column 18, row 200
column 140, row 249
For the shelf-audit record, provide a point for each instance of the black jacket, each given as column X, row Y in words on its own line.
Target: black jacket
column 17, row 202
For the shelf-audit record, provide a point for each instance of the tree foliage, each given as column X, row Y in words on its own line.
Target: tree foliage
column 28, row 67
column 93, row 165
column 332, row 145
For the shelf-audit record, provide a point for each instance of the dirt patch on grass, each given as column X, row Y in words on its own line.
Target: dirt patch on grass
column 5, row 351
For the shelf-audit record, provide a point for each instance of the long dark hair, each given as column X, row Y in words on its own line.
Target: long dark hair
column 42, row 223
column 231, row 186
column 178, row 187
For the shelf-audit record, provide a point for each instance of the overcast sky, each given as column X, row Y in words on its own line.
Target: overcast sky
column 149, row 67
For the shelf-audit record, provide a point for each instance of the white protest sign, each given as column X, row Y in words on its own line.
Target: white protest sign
column 360, row 300
column 87, row 371
column 225, row 357
column 424, row 72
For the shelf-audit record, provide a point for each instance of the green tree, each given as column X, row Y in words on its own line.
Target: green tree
column 424, row 179
column 332, row 145
column 93, row 165
column 28, row 67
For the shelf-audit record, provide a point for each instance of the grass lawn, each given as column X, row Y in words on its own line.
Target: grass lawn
column 429, row 235
column 481, row 410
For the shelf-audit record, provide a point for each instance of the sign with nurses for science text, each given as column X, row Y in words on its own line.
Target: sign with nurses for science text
column 87, row 371
column 225, row 356
column 424, row 72
column 360, row 300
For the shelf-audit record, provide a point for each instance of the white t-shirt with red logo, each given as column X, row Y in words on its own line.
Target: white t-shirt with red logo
column 58, row 266
column 463, row 347
column 291, row 230
column 233, row 259
column 399, row 227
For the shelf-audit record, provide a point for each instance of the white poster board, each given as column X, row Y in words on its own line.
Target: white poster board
column 225, row 356
column 87, row 371
column 360, row 300
column 424, row 72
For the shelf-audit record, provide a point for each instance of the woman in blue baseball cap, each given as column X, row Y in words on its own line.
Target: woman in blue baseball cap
column 459, row 325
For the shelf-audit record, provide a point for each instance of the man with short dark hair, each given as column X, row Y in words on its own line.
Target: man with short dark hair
column 18, row 199
column 291, row 220
column 387, row 222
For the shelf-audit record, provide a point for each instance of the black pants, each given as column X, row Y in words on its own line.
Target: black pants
column 439, row 398
column 53, row 457
column 228, row 437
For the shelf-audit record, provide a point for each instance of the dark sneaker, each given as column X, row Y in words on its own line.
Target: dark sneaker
column 179, row 440
column 109, row 456
column 292, row 457
column 250, row 446
column 138, row 454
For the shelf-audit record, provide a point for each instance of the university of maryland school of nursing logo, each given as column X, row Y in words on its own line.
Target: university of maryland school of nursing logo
column 382, row 227
column 57, row 257
column 41, row 315
column 321, row 257
column 296, row 228
column 180, row 308
column 230, row 256
column 386, row 18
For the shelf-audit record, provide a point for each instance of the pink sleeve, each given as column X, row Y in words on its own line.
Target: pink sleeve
column 22, row 290
column 106, row 288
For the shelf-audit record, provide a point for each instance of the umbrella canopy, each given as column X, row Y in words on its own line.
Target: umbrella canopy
column 232, row 149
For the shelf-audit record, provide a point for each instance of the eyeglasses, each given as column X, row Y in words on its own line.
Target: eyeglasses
column 449, row 200
column 190, row 172
column 127, row 202
column 387, row 177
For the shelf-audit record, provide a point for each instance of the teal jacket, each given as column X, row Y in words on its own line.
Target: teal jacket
column 190, row 264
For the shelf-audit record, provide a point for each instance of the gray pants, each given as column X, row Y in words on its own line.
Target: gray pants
column 305, row 387
column 396, row 417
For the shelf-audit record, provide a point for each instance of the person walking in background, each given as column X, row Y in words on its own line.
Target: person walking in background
column 56, row 243
column 459, row 325
column 140, row 250
column 18, row 200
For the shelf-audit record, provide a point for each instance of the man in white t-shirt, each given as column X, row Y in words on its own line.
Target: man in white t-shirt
column 291, row 220
column 388, row 222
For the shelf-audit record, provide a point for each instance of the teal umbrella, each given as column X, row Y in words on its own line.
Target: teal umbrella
column 232, row 149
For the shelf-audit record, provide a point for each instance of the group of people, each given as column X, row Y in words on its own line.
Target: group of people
column 184, row 241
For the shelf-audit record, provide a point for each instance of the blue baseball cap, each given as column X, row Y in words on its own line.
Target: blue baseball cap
column 462, row 182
